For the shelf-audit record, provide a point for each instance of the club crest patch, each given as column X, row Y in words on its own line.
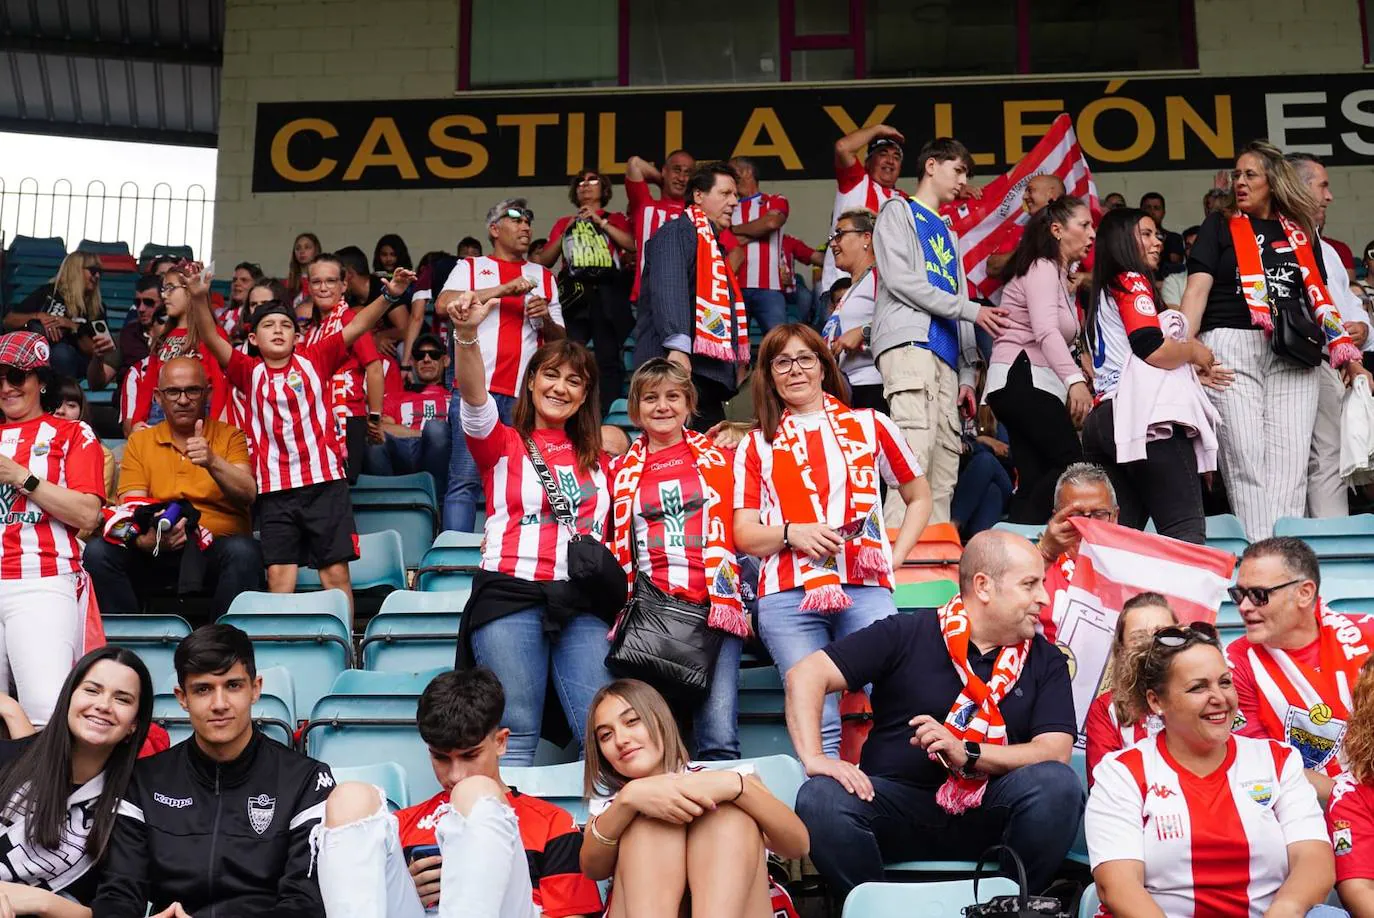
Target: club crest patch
column 261, row 809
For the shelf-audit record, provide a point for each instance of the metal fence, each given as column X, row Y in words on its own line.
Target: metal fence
column 126, row 215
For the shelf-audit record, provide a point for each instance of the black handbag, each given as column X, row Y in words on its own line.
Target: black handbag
column 1022, row 905
column 592, row 569
column 1296, row 337
column 666, row 642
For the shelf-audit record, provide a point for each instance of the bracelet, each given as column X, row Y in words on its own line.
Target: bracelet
column 785, row 543
column 596, row 834
column 464, row 342
column 741, row 788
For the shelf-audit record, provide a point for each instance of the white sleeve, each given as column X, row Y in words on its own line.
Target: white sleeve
column 893, row 449
column 479, row 421
column 460, row 278
column 1295, row 804
column 555, row 306
column 1338, row 284
column 1114, row 821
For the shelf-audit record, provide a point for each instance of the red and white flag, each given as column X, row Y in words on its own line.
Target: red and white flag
column 981, row 223
column 1115, row 563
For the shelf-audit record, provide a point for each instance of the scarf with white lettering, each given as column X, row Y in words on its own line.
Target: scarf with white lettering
column 801, row 503
column 717, row 481
column 974, row 716
column 1255, row 287
column 53, row 870
column 1308, row 707
column 722, row 326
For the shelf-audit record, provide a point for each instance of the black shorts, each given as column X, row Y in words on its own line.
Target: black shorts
column 311, row 526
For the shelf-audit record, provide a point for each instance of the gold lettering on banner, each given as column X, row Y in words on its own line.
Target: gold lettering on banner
column 527, row 126
column 440, row 137
column 944, row 127
column 847, row 126
column 1179, row 113
column 1016, row 132
column 606, row 163
column 1144, row 129
column 672, row 132
column 779, row 145
column 577, row 142
column 281, row 162
column 382, row 131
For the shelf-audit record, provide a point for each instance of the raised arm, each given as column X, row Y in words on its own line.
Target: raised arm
column 467, row 310
column 204, row 317
column 367, row 317
column 847, row 147
column 638, row 169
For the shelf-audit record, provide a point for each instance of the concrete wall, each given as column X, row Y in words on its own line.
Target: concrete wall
column 284, row 50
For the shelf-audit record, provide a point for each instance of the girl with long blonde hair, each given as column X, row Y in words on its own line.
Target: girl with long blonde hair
column 62, row 310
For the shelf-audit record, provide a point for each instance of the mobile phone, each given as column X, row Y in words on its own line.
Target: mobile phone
column 852, row 530
column 100, row 327
column 422, row 851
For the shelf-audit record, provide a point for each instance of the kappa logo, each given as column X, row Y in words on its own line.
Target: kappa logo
column 261, row 809
column 323, row 780
column 176, row 803
column 486, row 272
column 1161, row 791
column 429, row 822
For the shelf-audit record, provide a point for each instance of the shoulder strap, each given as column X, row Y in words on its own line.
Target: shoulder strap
column 562, row 510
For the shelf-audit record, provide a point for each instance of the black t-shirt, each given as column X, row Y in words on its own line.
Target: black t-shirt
column 84, row 887
column 45, row 299
column 1214, row 253
column 905, row 659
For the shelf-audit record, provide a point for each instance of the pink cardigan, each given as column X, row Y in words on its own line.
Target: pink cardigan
column 1043, row 320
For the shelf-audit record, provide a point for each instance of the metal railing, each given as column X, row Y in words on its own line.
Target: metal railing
column 101, row 215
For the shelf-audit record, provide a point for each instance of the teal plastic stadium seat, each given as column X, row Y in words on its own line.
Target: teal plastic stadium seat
column 619, row 405
column 781, row 774
column 1333, row 538
column 1224, row 531
column 417, row 601
column 449, row 566
column 329, row 602
column 269, row 713
column 278, row 682
column 418, row 481
column 760, row 738
column 451, row 538
column 153, row 637
column 937, row 869
column 445, row 581
column 35, row 247
column 1022, row 529
column 364, row 682
column 1333, row 569
column 389, row 776
column 943, row 899
column 399, row 512
column 1088, row 902
column 1229, row 615
column 152, row 250
column 410, row 641
column 380, row 565
column 348, row 730
column 103, row 248
column 314, row 646
column 560, row 785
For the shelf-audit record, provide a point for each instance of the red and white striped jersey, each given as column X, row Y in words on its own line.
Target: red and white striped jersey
column 1105, row 733
column 854, row 187
column 174, row 345
column 288, row 423
column 348, row 388
column 1213, row 845
column 413, row 409
column 66, row 453
column 228, row 317
column 647, row 214
column 1120, row 315
column 508, row 339
column 755, row 490
column 670, row 523
column 762, row 257
column 522, row 537
column 129, row 388
column 1350, row 820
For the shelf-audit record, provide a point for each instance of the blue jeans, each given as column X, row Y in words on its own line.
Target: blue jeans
column 1036, row 810
column 715, row 724
column 766, row 307
column 464, row 489
column 981, row 493
column 791, row 635
column 520, row 652
column 429, row 452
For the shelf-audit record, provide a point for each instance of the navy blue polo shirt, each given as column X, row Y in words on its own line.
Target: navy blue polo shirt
column 905, row 659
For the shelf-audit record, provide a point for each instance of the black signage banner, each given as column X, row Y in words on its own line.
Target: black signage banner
column 500, row 141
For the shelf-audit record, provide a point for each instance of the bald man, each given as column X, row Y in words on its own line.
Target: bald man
column 932, row 782
column 1039, row 192
column 188, row 457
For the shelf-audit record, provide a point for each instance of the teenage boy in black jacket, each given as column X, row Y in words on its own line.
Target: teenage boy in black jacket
column 219, row 824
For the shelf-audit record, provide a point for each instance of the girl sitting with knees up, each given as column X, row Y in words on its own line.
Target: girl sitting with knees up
column 670, row 833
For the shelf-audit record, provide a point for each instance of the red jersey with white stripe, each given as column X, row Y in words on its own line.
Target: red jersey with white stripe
column 348, row 388
column 1105, row 734
column 392, row 381
column 670, row 523
column 1214, row 845
column 65, row 453
column 1350, row 821
column 759, row 270
column 128, row 389
column 289, row 422
column 647, row 214
column 1120, row 313
column 854, row 188
column 172, row 346
column 508, row 339
column 755, row 490
column 412, row 409
column 522, row 537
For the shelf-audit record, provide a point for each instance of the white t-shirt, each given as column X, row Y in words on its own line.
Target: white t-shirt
column 856, row 311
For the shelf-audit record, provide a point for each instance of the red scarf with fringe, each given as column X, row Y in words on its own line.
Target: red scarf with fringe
column 722, row 326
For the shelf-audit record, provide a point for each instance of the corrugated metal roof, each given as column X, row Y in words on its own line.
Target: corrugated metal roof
column 143, row 70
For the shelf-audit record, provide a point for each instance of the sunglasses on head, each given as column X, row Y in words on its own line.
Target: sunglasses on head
column 520, row 213
column 1183, row 635
column 427, row 353
column 15, row 376
column 1258, row 596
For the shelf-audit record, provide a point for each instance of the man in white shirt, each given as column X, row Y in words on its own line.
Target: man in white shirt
column 1327, row 495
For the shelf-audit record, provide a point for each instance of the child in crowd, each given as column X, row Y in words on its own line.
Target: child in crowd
column 67, row 401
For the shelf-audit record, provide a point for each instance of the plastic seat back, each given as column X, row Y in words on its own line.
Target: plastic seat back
column 781, row 774
column 348, row 730
column 153, row 637
column 314, row 646
column 380, row 565
column 410, row 641
column 941, row 899
column 389, row 776
column 451, row 538
column 328, row 602
column 1332, row 538
column 418, row 601
column 364, row 682
column 558, row 784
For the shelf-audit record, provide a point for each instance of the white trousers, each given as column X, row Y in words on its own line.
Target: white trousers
column 363, row 873
column 39, row 626
column 1267, row 416
column 1327, row 495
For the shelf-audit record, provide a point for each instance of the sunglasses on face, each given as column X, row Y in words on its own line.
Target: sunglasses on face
column 1182, row 635
column 590, row 180
column 93, row 272
column 429, row 354
column 15, row 376
column 520, row 213
column 1258, row 596
column 840, row 234
column 146, row 301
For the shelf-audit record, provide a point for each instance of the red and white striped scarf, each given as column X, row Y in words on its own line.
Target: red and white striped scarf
column 720, row 315
column 718, row 555
column 974, row 716
column 801, row 503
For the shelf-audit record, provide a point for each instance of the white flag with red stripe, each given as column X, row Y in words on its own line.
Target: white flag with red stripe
column 1115, row 563
column 980, row 223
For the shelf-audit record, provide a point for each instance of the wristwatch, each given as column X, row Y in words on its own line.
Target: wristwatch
column 973, row 751
column 30, row 484
column 868, row 335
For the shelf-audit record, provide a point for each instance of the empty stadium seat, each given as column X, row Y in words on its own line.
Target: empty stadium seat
column 451, row 538
column 450, row 562
column 424, row 603
column 153, row 250
column 314, row 646
column 1333, row 538
column 934, row 557
column 348, row 730
column 558, row 784
column 153, row 637
column 1224, row 531
column 330, row 602
column 406, row 504
column 929, row 595
column 410, row 641
column 389, row 776
column 28, row 247
column 380, row 565
column 103, row 248
column 619, row 414
column 364, row 682
column 943, row 899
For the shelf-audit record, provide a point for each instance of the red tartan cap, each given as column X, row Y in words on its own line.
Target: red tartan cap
column 23, row 350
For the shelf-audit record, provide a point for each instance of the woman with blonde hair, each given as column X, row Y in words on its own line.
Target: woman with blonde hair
column 1257, row 297
column 62, row 310
column 665, row 830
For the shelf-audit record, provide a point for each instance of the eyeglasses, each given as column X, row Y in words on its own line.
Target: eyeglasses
column 1102, row 516
column 146, row 301
column 325, row 281
column 1248, row 174
column 520, row 213
column 15, row 376
column 590, row 180
column 1183, row 635
column 429, row 354
column 1258, row 596
column 783, row 365
column 177, row 394
column 168, row 288
column 838, row 233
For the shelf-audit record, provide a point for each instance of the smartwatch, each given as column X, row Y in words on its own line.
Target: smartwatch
column 30, row 484
column 375, row 417
column 868, row 335
column 973, row 751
